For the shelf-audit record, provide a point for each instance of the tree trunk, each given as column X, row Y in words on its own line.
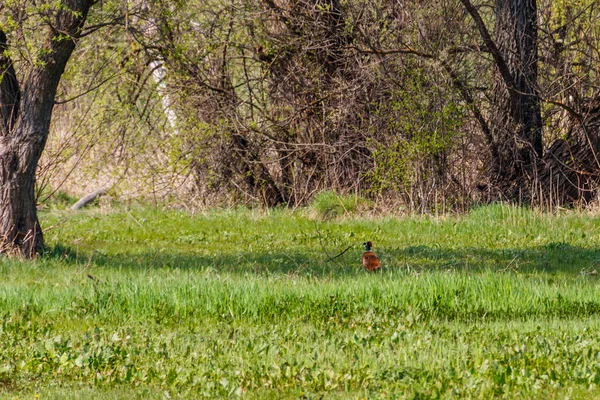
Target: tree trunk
column 19, row 224
column 25, row 124
column 516, row 115
column 515, row 121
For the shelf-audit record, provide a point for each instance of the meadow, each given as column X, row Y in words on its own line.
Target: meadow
column 142, row 303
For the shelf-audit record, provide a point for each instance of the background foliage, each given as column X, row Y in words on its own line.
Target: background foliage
column 270, row 102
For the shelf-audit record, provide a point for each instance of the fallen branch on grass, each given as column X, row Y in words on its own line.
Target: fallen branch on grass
column 85, row 200
column 329, row 257
column 334, row 257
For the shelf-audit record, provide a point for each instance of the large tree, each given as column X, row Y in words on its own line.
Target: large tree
column 516, row 120
column 560, row 167
column 26, row 109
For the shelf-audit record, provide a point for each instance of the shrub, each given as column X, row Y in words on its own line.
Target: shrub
column 329, row 204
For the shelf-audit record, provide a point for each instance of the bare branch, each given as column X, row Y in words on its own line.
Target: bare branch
column 491, row 45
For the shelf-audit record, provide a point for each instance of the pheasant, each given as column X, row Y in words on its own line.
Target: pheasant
column 369, row 260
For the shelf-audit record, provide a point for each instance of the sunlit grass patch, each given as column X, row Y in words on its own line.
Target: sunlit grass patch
column 244, row 303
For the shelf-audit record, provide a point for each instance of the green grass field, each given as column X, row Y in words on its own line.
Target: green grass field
column 140, row 303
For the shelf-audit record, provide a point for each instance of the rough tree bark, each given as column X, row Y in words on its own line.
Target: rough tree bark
column 516, row 115
column 25, row 122
column 515, row 121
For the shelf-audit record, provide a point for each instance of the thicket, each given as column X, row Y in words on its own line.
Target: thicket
column 272, row 101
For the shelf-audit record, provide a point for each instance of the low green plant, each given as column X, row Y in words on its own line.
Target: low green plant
column 56, row 200
column 329, row 204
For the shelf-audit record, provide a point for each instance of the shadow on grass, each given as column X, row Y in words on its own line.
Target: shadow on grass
column 551, row 258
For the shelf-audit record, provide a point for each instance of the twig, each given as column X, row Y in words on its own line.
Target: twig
column 62, row 221
column 330, row 258
column 511, row 262
column 321, row 240
column 334, row 257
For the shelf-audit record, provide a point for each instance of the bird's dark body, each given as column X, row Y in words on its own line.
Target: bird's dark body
column 370, row 261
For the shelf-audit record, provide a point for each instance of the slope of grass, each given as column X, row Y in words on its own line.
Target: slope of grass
column 141, row 303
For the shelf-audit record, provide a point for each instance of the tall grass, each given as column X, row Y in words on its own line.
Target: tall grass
column 329, row 204
column 501, row 303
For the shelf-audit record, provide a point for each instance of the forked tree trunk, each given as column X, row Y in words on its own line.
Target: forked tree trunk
column 24, row 125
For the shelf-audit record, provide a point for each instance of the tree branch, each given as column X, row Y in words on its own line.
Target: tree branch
column 88, row 30
column 491, row 46
column 88, row 90
column 462, row 88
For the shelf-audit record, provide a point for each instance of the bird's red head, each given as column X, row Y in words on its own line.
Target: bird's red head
column 368, row 246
